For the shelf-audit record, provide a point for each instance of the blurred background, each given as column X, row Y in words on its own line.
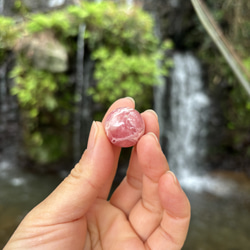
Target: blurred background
column 63, row 62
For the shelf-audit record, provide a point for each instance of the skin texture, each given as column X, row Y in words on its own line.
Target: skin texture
column 149, row 210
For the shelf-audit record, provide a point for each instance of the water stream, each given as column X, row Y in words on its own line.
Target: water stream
column 20, row 191
column 79, row 88
column 55, row 3
column 9, row 126
column 82, row 119
column 129, row 3
column 189, row 113
column 3, row 85
column 1, row 6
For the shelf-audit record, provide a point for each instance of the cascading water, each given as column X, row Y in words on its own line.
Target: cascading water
column 8, row 117
column 129, row 3
column 82, row 119
column 174, row 3
column 3, row 107
column 1, row 6
column 188, row 104
column 3, row 86
column 55, row 3
column 78, row 91
column 183, row 110
column 183, row 106
column 219, row 204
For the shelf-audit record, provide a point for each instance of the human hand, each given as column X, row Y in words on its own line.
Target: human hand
column 149, row 210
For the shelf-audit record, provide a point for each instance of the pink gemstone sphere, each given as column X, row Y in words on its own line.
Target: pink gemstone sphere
column 124, row 127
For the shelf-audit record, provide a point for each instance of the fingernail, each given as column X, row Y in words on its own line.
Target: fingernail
column 173, row 176
column 153, row 135
column 92, row 135
column 153, row 112
column 131, row 99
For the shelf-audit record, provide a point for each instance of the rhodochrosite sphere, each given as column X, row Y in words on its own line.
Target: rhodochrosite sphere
column 124, row 127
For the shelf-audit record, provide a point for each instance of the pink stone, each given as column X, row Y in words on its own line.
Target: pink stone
column 124, row 127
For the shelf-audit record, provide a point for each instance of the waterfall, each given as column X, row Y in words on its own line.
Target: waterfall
column 79, row 88
column 3, row 84
column 185, row 130
column 129, row 3
column 3, row 100
column 188, row 103
column 9, row 126
column 174, row 3
column 187, row 110
column 1, row 6
column 55, row 3
column 82, row 119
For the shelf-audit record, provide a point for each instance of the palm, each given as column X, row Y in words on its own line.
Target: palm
column 109, row 228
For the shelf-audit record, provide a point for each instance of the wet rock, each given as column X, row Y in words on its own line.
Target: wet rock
column 38, row 5
column 11, row 8
column 45, row 52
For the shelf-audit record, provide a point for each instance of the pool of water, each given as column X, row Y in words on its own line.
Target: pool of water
column 220, row 213
column 20, row 191
column 220, row 206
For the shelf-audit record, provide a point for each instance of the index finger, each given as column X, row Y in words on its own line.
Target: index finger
column 123, row 102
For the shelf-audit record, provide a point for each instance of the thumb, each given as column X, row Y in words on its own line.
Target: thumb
column 73, row 197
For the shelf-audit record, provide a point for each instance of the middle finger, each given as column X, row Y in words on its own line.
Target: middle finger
column 129, row 191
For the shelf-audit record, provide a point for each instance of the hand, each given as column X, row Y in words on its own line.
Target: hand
column 149, row 210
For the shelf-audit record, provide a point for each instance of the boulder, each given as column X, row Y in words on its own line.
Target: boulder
column 45, row 52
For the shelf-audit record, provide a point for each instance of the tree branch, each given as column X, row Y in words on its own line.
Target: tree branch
column 222, row 43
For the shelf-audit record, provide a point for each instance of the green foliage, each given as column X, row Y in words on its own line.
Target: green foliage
column 119, row 74
column 237, row 111
column 125, row 50
column 234, row 20
column 247, row 63
column 56, row 21
column 20, row 8
column 128, row 61
column 47, row 146
column 115, row 26
column 124, row 46
column 37, row 91
column 34, row 89
column 8, row 32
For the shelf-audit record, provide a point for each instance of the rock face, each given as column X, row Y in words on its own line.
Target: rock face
column 9, row 7
column 175, row 19
column 38, row 5
column 45, row 52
